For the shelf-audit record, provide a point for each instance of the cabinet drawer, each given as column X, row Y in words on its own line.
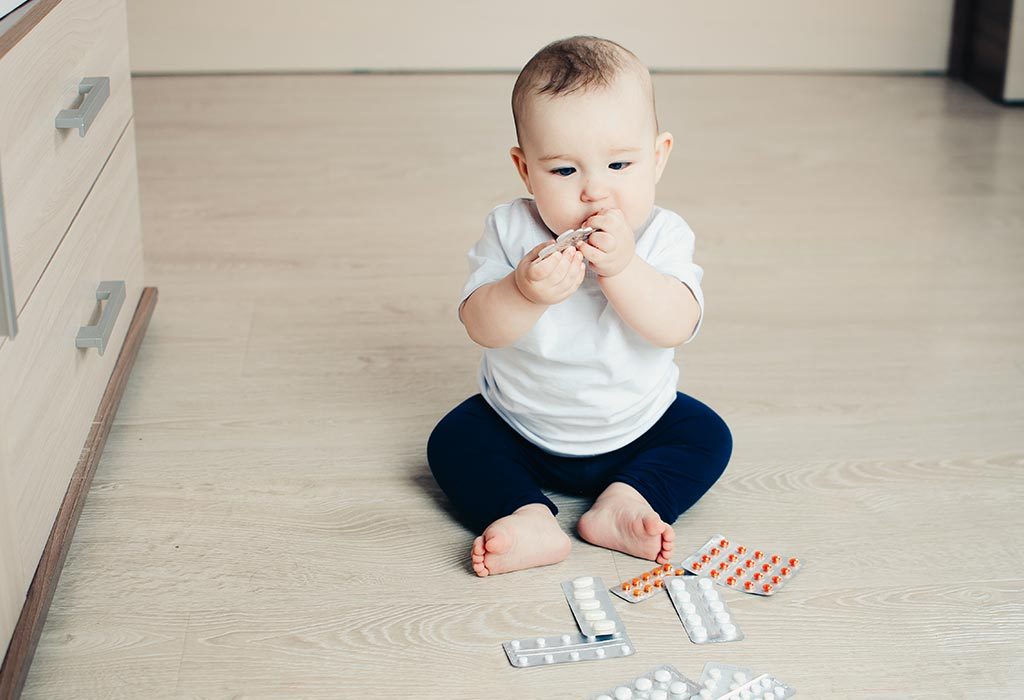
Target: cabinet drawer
column 45, row 172
column 49, row 388
column 12, row 582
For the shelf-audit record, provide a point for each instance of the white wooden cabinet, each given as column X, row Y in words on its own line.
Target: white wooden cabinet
column 70, row 214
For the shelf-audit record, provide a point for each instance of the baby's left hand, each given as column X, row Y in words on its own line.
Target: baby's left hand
column 611, row 246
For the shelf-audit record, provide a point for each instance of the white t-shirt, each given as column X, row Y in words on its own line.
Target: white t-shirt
column 581, row 381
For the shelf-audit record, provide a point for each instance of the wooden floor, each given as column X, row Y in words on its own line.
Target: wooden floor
column 263, row 523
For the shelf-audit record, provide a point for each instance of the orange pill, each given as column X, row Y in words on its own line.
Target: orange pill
column 733, row 557
column 740, row 571
column 657, row 572
column 786, row 571
column 723, row 543
column 666, row 568
column 715, row 551
column 723, row 566
column 741, row 550
column 749, row 585
column 636, row 593
column 776, row 580
column 659, row 583
column 767, row 588
column 705, row 558
column 794, row 561
column 758, row 576
column 766, row 567
column 680, row 572
column 626, row 585
column 714, row 574
column 648, row 588
column 696, row 567
column 776, row 559
column 646, row 576
column 731, row 581
column 759, row 554
column 749, row 563
column 636, row 582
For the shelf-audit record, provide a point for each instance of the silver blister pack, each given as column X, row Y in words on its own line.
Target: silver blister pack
column 566, row 648
column 593, row 609
column 740, row 568
column 717, row 680
column 660, row 683
column 705, row 616
column 763, row 687
column 566, row 240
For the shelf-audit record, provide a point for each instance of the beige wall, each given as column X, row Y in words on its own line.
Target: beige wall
column 260, row 35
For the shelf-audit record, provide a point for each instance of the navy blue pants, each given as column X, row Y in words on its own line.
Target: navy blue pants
column 488, row 470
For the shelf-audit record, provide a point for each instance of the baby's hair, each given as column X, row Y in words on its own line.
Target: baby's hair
column 568, row 65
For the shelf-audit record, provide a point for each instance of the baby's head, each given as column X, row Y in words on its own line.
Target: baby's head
column 588, row 133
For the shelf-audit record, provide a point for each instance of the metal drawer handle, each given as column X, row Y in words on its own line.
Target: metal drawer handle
column 99, row 335
column 96, row 91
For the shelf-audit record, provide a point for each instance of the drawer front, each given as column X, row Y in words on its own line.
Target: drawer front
column 49, row 388
column 45, row 172
column 12, row 582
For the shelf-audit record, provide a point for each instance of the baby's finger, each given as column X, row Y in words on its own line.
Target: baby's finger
column 541, row 269
column 591, row 253
column 602, row 240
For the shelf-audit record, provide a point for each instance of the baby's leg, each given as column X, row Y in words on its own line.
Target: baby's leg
column 676, row 462
column 483, row 467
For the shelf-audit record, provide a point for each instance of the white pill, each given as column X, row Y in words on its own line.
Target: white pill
column 583, row 582
column 658, row 694
column 643, row 684
column 566, row 639
column 693, row 619
column 688, row 608
column 710, row 683
column 716, row 606
column 780, row 692
column 739, row 677
column 680, row 585
column 590, row 604
column 592, row 615
column 766, row 683
column 524, row 661
column 721, row 617
column 599, row 653
column 574, row 655
column 583, row 593
column 711, row 595
column 515, row 644
column 541, row 642
column 549, row 659
column 715, row 673
column 604, row 626
column 699, row 634
column 705, row 584
column 623, row 693
column 677, row 688
column 626, row 651
column 662, row 676
column 729, row 630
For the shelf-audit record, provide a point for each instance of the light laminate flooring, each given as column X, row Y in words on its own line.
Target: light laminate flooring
column 263, row 523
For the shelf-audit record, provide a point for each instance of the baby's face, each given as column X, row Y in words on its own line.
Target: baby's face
column 590, row 151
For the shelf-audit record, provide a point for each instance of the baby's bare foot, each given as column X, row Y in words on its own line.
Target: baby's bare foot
column 527, row 538
column 621, row 519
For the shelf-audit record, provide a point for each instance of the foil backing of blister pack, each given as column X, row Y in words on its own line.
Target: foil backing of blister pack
column 705, row 616
column 660, row 683
column 565, row 648
column 763, row 687
column 717, row 680
column 740, row 568
column 593, row 609
column 565, row 240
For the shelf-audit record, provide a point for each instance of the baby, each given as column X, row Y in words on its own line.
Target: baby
column 577, row 382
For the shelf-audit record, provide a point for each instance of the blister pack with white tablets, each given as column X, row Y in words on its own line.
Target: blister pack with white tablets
column 660, row 683
column 565, row 648
column 717, row 680
column 705, row 616
column 566, row 240
column 591, row 606
column 646, row 584
column 738, row 567
column 763, row 687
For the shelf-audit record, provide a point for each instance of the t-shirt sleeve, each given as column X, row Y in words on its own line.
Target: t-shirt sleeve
column 488, row 260
column 673, row 255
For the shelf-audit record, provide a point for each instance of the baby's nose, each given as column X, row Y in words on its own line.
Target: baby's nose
column 594, row 190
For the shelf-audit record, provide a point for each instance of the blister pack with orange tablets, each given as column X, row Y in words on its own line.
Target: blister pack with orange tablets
column 646, row 584
column 733, row 565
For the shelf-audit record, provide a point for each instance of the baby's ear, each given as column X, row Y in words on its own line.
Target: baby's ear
column 519, row 158
column 662, row 150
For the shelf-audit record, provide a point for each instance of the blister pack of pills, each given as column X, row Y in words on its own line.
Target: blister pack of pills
column 738, row 567
column 705, row 616
column 591, row 606
column 660, row 683
column 716, row 680
column 764, row 687
column 646, row 584
column 566, row 240
column 545, row 651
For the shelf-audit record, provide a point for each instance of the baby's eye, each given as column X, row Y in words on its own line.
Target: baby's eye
column 564, row 172
column 620, row 165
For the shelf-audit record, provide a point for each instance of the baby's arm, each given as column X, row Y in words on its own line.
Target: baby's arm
column 657, row 306
column 498, row 314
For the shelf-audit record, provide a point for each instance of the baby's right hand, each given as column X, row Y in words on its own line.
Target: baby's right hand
column 552, row 279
